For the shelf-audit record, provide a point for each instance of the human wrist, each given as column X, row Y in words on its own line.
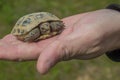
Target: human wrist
column 116, row 9
column 111, row 28
column 115, row 53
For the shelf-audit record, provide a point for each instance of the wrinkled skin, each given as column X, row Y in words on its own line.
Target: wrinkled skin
column 86, row 36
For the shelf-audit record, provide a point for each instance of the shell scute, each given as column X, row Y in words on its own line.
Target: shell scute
column 30, row 21
column 37, row 26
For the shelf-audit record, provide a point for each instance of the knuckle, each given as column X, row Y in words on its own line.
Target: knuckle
column 65, row 51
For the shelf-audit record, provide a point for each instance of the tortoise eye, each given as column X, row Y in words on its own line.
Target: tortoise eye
column 26, row 22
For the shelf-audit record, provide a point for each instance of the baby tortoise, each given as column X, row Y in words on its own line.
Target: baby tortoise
column 37, row 26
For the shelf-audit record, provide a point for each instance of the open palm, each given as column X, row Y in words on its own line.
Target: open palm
column 13, row 49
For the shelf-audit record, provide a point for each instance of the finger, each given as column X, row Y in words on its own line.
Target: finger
column 19, row 51
column 49, row 57
column 16, row 50
column 9, row 38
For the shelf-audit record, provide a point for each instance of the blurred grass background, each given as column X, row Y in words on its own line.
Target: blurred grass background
column 98, row 69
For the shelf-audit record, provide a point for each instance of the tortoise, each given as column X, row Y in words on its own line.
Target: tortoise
column 37, row 26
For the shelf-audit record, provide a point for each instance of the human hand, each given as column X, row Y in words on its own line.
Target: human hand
column 86, row 36
column 13, row 49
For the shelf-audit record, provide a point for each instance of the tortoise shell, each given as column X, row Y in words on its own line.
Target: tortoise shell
column 37, row 26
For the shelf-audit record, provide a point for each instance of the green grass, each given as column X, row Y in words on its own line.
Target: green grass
column 97, row 69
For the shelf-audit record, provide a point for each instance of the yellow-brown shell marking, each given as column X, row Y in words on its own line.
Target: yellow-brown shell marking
column 36, row 26
column 28, row 22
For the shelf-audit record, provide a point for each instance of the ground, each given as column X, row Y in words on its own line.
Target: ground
column 97, row 69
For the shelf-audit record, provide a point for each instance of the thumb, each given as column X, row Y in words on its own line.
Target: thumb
column 50, row 56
